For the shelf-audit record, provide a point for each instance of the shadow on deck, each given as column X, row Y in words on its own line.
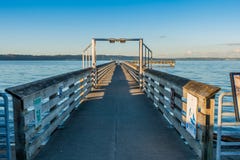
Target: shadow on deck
column 116, row 122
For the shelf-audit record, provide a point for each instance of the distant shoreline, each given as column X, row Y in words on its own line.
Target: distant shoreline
column 99, row 57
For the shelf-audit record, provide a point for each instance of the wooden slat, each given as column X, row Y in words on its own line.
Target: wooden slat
column 227, row 104
column 231, row 124
column 228, row 114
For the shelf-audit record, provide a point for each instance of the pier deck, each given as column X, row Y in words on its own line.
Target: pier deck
column 116, row 122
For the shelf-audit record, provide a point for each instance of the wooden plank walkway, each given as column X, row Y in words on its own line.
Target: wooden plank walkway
column 116, row 122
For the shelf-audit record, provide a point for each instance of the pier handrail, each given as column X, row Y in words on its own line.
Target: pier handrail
column 169, row 94
column 102, row 70
column 133, row 69
column 40, row 107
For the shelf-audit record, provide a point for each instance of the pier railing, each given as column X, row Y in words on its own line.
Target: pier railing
column 101, row 71
column 174, row 96
column 133, row 70
column 42, row 106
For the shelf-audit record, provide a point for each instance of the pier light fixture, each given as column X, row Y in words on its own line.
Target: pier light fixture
column 122, row 40
column 112, row 40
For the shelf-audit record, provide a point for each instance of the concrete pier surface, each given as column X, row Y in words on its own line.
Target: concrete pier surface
column 116, row 122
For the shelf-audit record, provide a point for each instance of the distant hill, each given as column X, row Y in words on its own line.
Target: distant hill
column 206, row 59
column 63, row 57
column 99, row 57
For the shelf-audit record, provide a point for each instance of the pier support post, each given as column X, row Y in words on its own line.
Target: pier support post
column 19, row 125
column 207, row 137
column 95, row 81
column 83, row 61
column 93, row 53
column 140, row 63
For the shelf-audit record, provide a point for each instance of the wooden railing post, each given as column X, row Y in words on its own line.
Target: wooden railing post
column 19, row 123
column 94, row 77
column 207, row 136
column 93, row 53
column 205, row 115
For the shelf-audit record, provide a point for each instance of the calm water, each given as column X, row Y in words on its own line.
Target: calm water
column 19, row 72
column 211, row 72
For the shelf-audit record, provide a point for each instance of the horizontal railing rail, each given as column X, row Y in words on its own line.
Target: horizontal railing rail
column 42, row 106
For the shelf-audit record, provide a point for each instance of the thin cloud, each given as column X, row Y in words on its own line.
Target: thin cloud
column 237, row 50
column 163, row 36
column 232, row 44
column 189, row 52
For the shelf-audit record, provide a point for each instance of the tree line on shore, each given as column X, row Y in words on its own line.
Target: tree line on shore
column 99, row 57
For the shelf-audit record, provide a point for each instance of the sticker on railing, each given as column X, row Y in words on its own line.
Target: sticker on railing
column 191, row 117
column 37, row 103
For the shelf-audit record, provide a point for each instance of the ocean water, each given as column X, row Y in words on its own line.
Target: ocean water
column 210, row 72
column 14, row 73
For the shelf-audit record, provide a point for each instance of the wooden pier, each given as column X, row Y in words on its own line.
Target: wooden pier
column 116, row 121
column 115, row 111
column 103, row 114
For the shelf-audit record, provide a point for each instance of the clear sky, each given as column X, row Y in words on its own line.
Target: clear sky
column 171, row 28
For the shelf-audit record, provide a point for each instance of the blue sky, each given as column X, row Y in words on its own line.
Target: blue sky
column 171, row 28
